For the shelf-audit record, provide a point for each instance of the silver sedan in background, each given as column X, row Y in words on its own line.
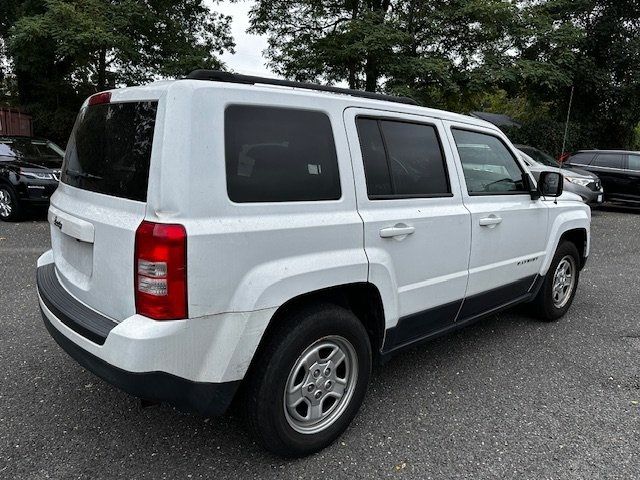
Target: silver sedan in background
column 585, row 184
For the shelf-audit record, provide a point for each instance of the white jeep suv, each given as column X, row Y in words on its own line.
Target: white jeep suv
column 224, row 231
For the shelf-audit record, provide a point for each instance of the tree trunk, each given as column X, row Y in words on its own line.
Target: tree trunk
column 353, row 76
column 371, row 74
column 102, row 69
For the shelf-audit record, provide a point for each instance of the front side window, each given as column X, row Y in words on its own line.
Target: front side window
column 402, row 159
column 609, row 160
column 489, row 167
column 634, row 162
column 279, row 155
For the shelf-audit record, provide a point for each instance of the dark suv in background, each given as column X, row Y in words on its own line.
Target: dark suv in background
column 619, row 171
column 29, row 174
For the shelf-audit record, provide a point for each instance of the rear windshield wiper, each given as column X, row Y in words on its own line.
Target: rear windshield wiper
column 77, row 174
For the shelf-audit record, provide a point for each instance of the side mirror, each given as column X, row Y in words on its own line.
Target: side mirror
column 550, row 184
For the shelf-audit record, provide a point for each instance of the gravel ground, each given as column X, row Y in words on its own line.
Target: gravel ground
column 508, row 397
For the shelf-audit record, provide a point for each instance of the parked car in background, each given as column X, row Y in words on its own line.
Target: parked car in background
column 619, row 171
column 581, row 182
column 29, row 174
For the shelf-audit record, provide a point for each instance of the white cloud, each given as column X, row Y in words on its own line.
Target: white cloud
column 248, row 58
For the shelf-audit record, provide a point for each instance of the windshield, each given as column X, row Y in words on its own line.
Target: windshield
column 28, row 148
column 540, row 157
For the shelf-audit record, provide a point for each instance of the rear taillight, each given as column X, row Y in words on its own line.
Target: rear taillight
column 161, row 271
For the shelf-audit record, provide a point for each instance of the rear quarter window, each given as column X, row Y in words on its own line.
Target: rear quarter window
column 279, row 155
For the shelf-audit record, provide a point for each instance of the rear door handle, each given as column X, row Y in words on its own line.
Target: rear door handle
column 490, row 221
column 399, row 230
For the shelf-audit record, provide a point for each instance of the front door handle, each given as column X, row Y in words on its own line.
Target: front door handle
column 399, row 230
column 490, row 221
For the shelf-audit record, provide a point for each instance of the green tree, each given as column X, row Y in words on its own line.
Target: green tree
column 431, row 50
column 63, row 50
column 593, row 45
column 458, row 54
column 334, row 40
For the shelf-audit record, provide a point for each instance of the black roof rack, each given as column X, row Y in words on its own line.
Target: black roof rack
column 219, row 76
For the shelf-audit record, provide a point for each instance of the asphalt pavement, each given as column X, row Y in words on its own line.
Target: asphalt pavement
column 508, row 397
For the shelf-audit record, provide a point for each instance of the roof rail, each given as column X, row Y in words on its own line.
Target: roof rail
column 220, row 76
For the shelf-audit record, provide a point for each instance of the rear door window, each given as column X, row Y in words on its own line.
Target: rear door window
column 609, row 160
column 402, row 159
column 110, row 149
column 279, row 155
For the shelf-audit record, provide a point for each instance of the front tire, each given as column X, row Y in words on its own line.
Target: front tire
column 308, row 381
column 560, row 284
column 10, row 209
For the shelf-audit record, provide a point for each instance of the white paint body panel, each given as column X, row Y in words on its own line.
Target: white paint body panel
column 246, row 260
column 420, row 271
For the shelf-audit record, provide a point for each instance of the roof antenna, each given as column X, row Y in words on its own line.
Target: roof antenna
column 566, row 131
column 566, row 126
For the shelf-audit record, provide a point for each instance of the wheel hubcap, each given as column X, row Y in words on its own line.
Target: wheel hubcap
column 320, row 384
column 563, row 281
column 5, row 203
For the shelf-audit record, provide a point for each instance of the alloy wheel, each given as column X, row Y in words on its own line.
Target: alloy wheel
column 320, row 384
column 6, row 205
column 564, row 280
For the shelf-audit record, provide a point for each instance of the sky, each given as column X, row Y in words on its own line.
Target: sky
column 248, row 58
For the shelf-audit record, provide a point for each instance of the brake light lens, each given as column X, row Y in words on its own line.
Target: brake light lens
column 100, row 98
column 161, row 271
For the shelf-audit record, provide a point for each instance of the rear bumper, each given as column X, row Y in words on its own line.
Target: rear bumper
column 194, row 364
column 200, row 397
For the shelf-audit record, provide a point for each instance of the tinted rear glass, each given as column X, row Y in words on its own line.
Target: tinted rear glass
column 415, row 159
column 279, row 155
column 401, row 159
column 110, row 149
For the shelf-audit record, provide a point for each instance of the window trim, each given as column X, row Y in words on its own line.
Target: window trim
column 340, row 198
column 396, row 196
column 513, row 155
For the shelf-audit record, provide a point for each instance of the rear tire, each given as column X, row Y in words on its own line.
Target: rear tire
column 560, row 284
column 10, row 208
column 308, row 381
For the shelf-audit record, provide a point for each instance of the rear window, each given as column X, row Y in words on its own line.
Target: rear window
column 110, row 148
column 279, row 155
